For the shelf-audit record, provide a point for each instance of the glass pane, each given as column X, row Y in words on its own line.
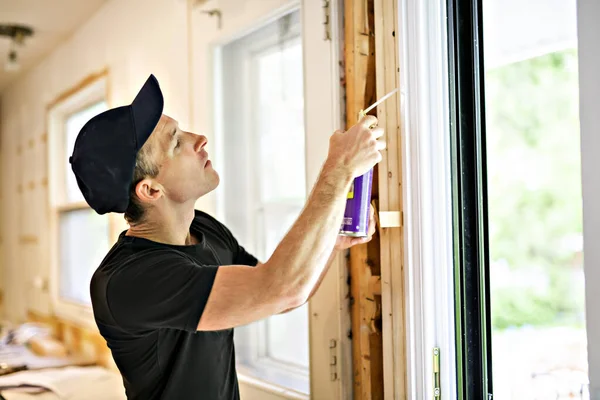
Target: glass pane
column 264, row 178
column 276, row 220
column 73, row 125
column 534, row 188
column 84, row 241
column 279, row 129
column 287, row 336
column 279, row 124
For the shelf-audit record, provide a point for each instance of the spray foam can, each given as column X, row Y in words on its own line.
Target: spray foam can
column 358, row 202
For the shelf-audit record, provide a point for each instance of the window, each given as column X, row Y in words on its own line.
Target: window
column 501, row 180
column 81, row 237
column 517, row 200
column 264, row 179
column 537, row 284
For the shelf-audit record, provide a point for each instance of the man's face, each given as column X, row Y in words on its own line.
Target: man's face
column 185, row 171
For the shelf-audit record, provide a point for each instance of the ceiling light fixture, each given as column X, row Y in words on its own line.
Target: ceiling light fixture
column 17, row 34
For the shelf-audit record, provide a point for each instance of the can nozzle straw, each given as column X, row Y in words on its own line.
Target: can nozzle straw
column 362, row 113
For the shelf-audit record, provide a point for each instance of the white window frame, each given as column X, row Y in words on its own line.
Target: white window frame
column 92, row 91
column 329, row 308
column 588, row 29
column 258, row 363
column 429, row 287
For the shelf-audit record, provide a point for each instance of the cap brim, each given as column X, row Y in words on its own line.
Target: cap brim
column 147, row 108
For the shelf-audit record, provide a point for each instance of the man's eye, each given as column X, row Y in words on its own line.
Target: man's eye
column 177, row 144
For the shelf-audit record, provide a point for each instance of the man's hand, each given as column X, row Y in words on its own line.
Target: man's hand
column 344, row 242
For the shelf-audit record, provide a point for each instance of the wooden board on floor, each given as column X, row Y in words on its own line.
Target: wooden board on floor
column 79, row 341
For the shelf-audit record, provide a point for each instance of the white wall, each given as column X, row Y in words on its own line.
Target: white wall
column 132, row 39
column 589, row 93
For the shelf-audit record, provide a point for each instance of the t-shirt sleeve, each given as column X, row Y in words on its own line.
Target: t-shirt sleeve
column 161, row 289
column 240, row 255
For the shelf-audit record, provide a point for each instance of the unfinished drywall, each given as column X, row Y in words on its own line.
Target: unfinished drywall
column 131, row 39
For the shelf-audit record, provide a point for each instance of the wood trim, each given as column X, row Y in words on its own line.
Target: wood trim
column 88, row 80
column 391, row 203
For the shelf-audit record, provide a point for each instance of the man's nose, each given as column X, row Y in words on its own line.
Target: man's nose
column 201, row 141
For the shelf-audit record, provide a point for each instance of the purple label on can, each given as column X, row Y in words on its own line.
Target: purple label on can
column 356, row 216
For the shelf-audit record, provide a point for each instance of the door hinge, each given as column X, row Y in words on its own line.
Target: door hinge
column 437, row 390
column 333, row 359
column 326, row 19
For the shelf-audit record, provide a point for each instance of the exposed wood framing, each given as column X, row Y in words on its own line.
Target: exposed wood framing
column 367, row 352
column 376, row 269
column 390, row 202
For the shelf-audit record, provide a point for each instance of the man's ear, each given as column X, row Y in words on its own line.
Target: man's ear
column 147, row 190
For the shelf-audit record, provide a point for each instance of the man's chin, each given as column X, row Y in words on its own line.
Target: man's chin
column 210, row 185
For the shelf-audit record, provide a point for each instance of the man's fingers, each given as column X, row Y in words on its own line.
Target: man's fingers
column 377, row 132
column 371, row 229
column 368, row 121
column 361, row 240
column 380, row 145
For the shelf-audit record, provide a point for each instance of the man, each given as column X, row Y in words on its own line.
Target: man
column 169, row 293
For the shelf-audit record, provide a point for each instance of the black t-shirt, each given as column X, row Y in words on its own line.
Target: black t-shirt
column 147, row 299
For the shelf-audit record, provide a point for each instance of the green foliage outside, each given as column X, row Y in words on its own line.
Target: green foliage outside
column 534, row 188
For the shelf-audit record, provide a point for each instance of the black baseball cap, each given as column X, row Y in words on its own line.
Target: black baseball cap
column 105, row 150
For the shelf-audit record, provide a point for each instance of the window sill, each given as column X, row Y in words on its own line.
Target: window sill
column 245, row 377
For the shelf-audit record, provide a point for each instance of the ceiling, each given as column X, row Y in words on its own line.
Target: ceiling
column 52, row 21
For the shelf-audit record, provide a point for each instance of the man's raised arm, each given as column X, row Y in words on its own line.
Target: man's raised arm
column 241, row 294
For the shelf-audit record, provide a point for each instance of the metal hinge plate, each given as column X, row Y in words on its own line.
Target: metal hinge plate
column 437, row 390
column 333, row 359
column 326, row 19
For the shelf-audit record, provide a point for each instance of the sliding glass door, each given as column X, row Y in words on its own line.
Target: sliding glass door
column 520, row 318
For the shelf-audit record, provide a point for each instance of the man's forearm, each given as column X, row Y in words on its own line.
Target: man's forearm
column 332, row 257
column 299, row 261
column 330, row 261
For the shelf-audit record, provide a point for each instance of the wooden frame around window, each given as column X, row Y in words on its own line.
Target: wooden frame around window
column 93, row 88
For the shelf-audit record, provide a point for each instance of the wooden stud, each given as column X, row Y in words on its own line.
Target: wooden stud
column 375, row 285
column 364, row 259
column 390, row 202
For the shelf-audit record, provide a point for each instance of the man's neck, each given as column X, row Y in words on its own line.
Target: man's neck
column 165, row 226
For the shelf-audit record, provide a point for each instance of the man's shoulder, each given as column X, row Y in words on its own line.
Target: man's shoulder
column 128, row 258
column 203, row 220
column 202, row 217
